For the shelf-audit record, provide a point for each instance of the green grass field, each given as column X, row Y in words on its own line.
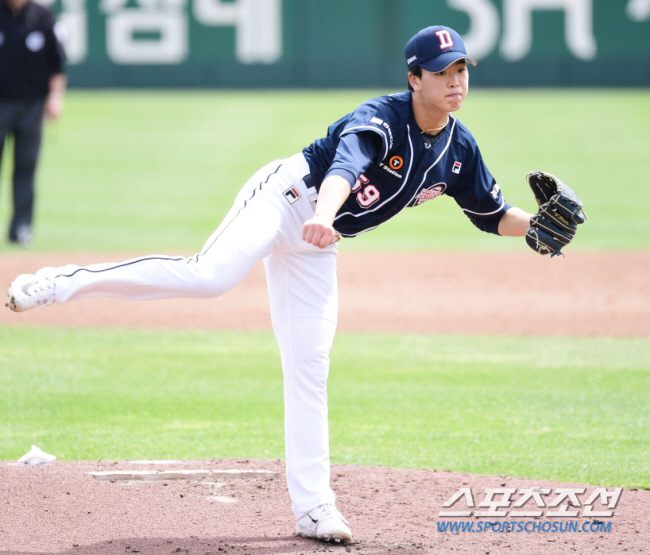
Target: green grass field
column 155, row 172
column 490, row 405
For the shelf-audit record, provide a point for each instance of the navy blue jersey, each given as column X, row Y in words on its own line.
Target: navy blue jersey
column 407, row 168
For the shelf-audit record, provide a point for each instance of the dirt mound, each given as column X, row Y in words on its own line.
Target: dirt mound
column 61, row 508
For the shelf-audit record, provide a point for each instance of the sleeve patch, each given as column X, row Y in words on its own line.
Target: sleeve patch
column 385, row 125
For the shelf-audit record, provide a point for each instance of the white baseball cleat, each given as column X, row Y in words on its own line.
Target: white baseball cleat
column 30, row 290
column 324, row 523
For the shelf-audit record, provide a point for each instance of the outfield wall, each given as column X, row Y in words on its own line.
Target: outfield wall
column 349, row 43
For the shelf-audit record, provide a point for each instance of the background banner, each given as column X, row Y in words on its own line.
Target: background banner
column 349, row 43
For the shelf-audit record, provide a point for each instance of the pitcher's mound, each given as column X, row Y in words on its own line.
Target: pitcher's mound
column 194, row 507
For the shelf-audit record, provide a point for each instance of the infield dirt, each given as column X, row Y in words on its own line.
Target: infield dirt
column 517, row 293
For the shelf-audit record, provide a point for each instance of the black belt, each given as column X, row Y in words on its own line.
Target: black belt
column 309, row 182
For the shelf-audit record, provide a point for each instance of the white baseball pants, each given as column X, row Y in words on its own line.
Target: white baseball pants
column 265, row 223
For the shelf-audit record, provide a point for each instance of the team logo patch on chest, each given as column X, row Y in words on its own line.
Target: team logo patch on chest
column 430, row 193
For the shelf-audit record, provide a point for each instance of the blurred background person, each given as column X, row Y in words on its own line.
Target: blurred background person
column 32, row 85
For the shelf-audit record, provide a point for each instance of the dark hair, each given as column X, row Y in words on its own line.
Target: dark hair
column 417, row 71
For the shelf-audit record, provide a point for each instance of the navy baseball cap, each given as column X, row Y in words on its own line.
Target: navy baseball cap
column 435, row 48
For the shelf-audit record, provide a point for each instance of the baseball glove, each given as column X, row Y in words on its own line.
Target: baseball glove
column 560, row 212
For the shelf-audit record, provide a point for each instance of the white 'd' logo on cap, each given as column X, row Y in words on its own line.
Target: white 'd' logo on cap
column 445, row 39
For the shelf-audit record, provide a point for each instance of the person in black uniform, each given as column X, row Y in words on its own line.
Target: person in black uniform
column 32, row 85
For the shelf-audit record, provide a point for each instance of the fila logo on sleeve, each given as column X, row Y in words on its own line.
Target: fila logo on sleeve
column 291, row 194
column 456, row 167
column 445, row 39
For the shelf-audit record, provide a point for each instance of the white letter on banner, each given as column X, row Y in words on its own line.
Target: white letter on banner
column 72, row 29
column 638, row 10
column 258, row 24
column 75, row 30
column 163, row 18
column 483, row 32
column 518, row 28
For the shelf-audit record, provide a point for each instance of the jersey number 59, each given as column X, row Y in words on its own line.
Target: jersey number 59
column 367, row 194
